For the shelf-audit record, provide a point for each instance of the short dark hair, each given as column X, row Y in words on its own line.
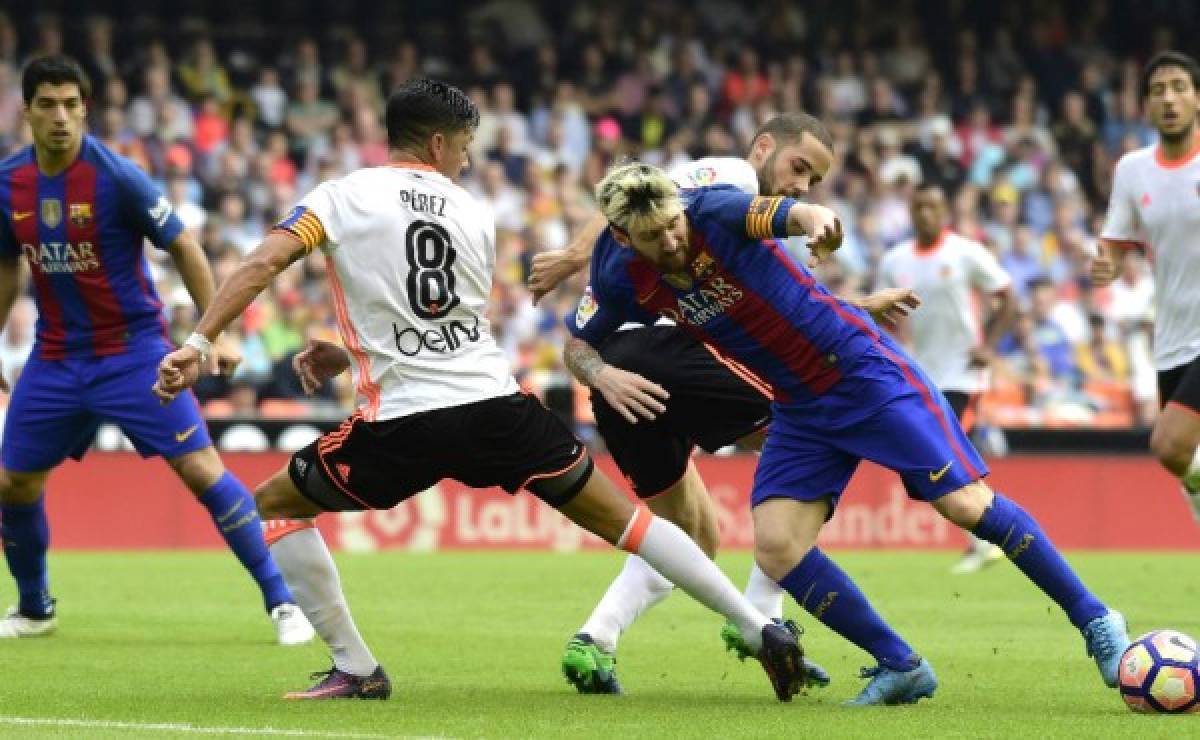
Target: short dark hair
column 1170, row 59
column 422, row 107
column 789, row 127
column 56, row 69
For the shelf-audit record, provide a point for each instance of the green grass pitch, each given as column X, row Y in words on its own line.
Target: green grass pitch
column 175, row 645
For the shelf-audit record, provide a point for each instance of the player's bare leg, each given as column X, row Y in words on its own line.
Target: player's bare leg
column 589, row 662
column 785, row 536
column 307, row 565
column 603, row 510
column 26, row 537
column 638, row 587
column 1002, row 522
column 1176, row 443
column 231, row 506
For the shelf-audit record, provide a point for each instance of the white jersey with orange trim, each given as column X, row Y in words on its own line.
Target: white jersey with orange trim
column 1157, row 203
column 945, row 328
column 411, row 257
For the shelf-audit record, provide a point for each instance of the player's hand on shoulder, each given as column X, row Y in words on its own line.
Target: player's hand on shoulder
column 548, row 270
column 318, row 362
column 890, row 305
column 630, row 394
column 177, row 372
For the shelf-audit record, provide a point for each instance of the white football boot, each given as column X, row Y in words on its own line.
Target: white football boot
column 16, row 624
column 291, row 626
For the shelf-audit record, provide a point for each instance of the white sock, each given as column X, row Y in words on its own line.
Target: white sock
column 764, row 593
column 1191, row 479
column 636, row 588
column 313, row 578
column 667, row 549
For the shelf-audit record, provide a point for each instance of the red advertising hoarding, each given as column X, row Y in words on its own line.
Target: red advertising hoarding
column 119, row 501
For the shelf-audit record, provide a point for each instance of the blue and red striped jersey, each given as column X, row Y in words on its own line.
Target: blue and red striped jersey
column 745, row 295
column 82, row 232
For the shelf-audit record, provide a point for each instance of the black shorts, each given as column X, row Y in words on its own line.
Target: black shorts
column 963, row 404
column 510, row 441
column 1181, row 385
column 713, row 403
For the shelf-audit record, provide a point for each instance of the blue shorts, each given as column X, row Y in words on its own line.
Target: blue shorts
column 884, row 410
column 57, row 405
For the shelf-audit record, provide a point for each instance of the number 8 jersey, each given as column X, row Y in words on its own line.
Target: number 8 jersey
column 410, row 257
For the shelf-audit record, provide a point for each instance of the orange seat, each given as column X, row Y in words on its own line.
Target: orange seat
column 284, row 408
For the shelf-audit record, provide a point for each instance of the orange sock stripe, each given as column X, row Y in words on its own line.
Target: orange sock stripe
column 637, row 530
column 277, row 529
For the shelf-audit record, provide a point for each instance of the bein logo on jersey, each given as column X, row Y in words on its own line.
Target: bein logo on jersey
column 444, row 339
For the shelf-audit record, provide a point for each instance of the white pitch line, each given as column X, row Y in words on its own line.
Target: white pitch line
column 104, row 724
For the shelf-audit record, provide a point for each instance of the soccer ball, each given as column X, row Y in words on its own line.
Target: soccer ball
column 1159, row 673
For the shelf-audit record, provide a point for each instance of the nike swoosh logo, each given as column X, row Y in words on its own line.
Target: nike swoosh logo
column 182, row 436
column 935, row 477
column 21, row 215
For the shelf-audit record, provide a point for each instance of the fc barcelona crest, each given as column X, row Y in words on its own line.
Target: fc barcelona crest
column 703, row 266
column 51, row 212
column 80, row 214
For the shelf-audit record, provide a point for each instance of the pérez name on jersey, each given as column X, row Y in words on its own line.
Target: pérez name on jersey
column 420, row 202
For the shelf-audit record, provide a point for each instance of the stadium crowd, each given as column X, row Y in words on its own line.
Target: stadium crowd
column 1019, row 110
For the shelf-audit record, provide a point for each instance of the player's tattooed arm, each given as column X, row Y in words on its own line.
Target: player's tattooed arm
column 631, row 395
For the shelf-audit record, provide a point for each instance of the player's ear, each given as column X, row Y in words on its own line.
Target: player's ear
column 437, row 146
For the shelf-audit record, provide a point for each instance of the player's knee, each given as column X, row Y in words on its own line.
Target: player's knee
column 1171, row 450
column 966, row 506
column 199, row 470
column 20, row 489
column 777, row 552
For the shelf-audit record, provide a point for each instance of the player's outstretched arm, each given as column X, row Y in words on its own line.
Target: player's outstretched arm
column 822, row 227
column 550, row 268
column 888, row 306
column 180, row 369
column 630, row 394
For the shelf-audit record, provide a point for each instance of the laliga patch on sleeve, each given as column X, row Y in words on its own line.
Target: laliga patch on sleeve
column 702, row 176
column 160, row 211
column 587, row 307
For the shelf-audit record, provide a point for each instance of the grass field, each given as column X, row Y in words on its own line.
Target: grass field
column 173, row 644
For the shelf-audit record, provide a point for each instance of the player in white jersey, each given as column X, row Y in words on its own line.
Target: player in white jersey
column 411, row 257
column 1155, row 203
column 661, row 393
column 952, row 274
